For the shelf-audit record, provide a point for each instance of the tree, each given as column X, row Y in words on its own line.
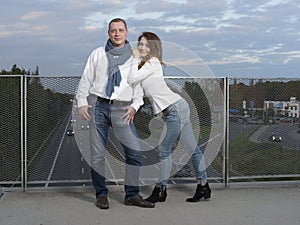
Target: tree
column 15, row 70
column 36, row 71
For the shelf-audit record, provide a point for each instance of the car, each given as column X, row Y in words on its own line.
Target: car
column 276, row 138
column 70, row 132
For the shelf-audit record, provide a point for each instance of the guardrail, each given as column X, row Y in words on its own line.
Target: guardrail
column 36, row 152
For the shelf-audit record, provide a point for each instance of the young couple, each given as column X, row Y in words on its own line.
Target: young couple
column 118, row 82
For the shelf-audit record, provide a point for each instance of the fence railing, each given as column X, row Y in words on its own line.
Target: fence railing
column 230, row 121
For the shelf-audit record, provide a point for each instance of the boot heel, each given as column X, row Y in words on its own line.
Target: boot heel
column 201, row 192
column 162, row 199
column 207, row 196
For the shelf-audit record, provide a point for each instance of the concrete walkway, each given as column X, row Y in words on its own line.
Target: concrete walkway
column 272, row 205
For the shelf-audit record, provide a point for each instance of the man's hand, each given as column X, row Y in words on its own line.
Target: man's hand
column 129, row 115
column 83, row 111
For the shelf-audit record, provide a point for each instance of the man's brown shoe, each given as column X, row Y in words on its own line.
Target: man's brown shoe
column 102, row 202
column 138, row 201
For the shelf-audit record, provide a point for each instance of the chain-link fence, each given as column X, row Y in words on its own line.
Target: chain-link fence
column 231, row 119
column 264, row 131
column 11, row 130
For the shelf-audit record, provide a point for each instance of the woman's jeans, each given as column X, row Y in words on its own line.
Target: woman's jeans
column 178, row 127
column 107, row 116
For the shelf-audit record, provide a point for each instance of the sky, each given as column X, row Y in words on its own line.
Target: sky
column 257, row 38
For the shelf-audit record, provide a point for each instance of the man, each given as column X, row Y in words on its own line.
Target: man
column 104, row 86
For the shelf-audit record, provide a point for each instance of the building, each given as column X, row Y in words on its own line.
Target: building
column 284, row 108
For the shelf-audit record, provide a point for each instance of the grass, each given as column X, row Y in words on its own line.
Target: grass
column 267, row 158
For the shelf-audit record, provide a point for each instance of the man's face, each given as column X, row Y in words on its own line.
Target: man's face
column 117, row 33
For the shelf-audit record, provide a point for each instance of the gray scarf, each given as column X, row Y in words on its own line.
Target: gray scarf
column 116, row 57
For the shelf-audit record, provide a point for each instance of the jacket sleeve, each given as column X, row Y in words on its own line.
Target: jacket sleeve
column 137, row 98
column 148, row 69
column 86, row 81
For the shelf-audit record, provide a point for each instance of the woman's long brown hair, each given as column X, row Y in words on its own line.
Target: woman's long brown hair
column 155, row 46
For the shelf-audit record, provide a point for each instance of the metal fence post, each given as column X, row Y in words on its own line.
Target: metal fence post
column 226, row 132
column 24, row 131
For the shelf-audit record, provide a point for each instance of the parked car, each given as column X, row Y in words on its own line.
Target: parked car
column 276, row 138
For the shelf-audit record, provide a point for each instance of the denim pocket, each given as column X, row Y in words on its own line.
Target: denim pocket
column 171, row 113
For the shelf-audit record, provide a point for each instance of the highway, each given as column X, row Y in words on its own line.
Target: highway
column 62, row 163
column 288, row 132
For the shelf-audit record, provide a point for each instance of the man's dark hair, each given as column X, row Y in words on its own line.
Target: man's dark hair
column 117, row 20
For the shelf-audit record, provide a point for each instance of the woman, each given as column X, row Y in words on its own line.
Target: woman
column 176, row 113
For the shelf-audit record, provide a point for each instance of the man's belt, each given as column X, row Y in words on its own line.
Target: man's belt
column 113, row 102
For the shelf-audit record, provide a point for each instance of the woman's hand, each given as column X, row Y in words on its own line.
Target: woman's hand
column 83, row 111
column 129, row 115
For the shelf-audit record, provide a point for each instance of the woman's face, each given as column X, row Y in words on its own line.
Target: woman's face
column 143, row 47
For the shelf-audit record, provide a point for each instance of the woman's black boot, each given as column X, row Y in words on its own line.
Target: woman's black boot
column 159, row 194
column 201, row 192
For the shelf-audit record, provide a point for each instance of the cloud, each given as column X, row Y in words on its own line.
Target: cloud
column 291, row 56
column 230, row 35
column 271, row 4
column 35, row 15
column 237, row 58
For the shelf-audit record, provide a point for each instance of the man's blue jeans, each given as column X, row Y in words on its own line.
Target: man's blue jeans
column 178, row 127
column 107, row 116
